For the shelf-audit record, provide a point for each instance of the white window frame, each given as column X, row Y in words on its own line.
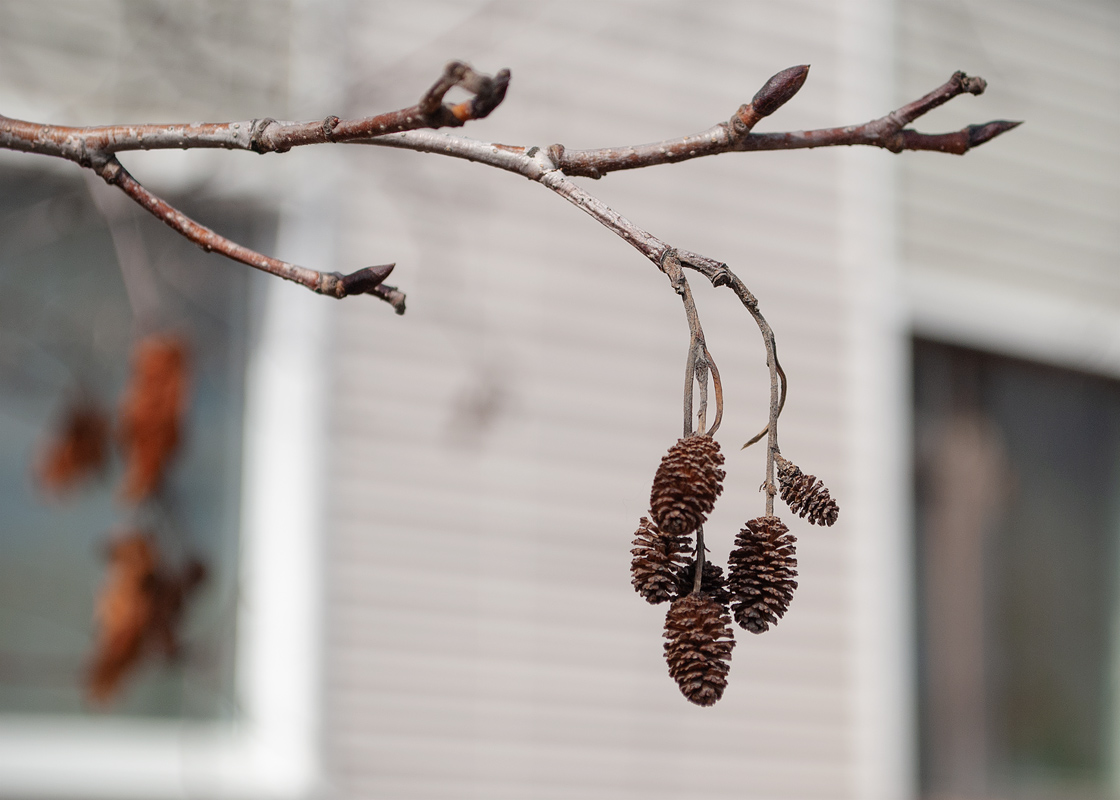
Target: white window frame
column 271, row 748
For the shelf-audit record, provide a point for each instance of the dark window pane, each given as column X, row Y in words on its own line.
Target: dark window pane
column 1017, row 467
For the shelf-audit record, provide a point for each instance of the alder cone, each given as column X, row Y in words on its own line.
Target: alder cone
column 686, row 484
column 712, row 583
column 658, row 560
column 762, row 573
column 698, row 650
column 805, row 494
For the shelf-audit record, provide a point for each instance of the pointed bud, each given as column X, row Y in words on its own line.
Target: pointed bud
column 978, row 134
column 364, row 280
column 777, row 91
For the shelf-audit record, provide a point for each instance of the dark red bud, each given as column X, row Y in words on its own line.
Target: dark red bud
column 978, row 134
column 365, row 280
column 779, row 89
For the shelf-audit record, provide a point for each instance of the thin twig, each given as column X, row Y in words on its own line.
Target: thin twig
column 751, row 303
column 696, row 367
column 83, row 144
column 364, row 281
column 735, row 136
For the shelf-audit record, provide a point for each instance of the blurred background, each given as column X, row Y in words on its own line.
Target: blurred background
column 416, row 530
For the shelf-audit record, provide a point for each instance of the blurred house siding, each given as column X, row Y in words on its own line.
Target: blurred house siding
column 1028, row 228
column 493, row 449
column 490, row 453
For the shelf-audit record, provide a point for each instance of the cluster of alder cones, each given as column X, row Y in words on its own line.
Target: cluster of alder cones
column 141, row 602
column 762, row 569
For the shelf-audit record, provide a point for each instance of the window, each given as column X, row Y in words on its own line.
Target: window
column 1018, row 526
column 236, row 716
column 76, row 292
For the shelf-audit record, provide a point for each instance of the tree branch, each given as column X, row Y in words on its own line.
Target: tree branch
column 735, row 136
column 83, row 145
column 95, row 148
column 334, row 284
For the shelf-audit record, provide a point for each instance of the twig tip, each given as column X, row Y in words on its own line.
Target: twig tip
column 978, row 134
column 365, row 280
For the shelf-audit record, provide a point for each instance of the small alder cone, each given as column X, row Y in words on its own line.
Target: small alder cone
column 686, row 484
column 712, row 584
column 762, row 573
column 658, row 561
column 699, row 647
column 805, row 495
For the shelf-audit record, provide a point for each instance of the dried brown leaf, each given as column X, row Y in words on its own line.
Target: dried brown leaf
column 152, row 413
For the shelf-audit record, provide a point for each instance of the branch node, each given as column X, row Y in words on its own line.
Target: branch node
column 329, row 124
column 743, row 120
column 973, row 85
column 256, row 136
column 488, row 94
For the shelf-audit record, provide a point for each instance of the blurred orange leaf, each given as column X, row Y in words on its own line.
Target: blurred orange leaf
column 151, row 415
column 140, row 607
column 77, row 449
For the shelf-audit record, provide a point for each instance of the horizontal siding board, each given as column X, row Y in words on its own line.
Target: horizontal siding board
column 1041, row 211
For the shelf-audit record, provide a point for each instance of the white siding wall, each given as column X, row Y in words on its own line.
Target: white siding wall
column 493, row 448
column 1020, row 251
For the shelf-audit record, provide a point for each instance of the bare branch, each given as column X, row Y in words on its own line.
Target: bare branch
column 83, row 145
column 735, row 136
column 94, row 147
column 364, row 281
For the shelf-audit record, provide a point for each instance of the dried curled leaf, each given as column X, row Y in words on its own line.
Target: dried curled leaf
column 152, row 414
column 140, row 608
column 77, row 450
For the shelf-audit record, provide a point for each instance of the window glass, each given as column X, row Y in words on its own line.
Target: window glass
column 83, row 279
column 1018, row 516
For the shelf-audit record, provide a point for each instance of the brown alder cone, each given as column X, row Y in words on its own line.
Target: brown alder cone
column 762, row 573
column 151, row 414
column 805, row 495
column 78, row 449
column 658, row 560
column 686, row 484
column 712, row 583
column 140, row 606
column 699, row 647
